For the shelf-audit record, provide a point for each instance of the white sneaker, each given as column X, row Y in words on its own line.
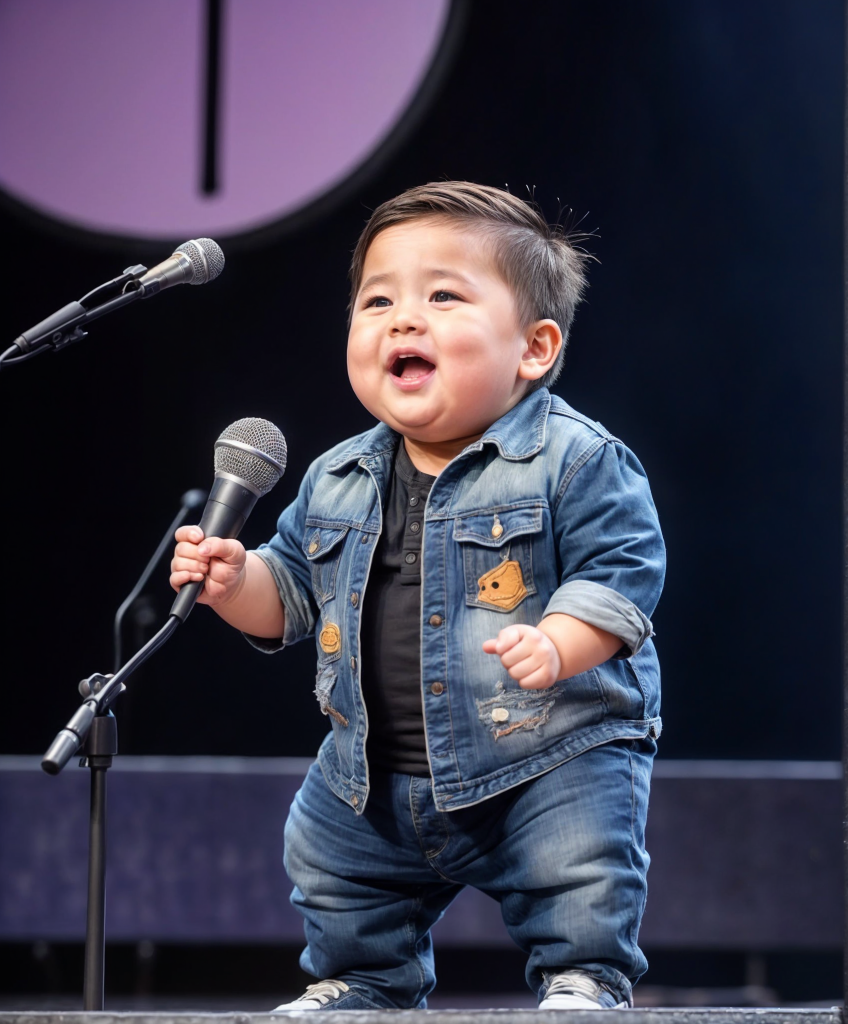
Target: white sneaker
column 315, row 997
column 576, row 990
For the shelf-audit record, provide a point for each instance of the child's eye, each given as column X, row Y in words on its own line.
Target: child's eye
column 442, row 296
column 378, row 300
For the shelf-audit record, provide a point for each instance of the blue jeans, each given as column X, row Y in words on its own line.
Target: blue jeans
column 563, row 854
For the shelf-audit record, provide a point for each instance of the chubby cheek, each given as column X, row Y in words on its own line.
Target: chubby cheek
column 474, row 372
column 364, row 374
column 484, row 358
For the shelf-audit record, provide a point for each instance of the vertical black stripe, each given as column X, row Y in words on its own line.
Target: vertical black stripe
column 211, row 113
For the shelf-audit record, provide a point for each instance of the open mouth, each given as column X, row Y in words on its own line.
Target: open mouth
column 411, row 367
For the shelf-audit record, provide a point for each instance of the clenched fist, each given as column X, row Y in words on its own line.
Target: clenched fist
column 218, row 562
column 528, row 655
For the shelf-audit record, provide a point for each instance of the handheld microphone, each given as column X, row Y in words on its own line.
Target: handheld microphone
column 250, row 457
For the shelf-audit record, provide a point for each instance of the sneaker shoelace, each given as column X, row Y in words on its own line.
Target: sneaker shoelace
column 576, row 983
column 323, row 991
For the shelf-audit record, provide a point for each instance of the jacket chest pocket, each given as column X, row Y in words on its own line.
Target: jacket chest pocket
column 323, row 548
column 497, row 556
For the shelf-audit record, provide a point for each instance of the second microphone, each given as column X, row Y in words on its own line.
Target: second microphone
column 250, row 457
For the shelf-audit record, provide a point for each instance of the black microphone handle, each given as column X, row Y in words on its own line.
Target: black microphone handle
column 230, row 503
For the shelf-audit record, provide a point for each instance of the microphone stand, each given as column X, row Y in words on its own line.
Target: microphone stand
column 229, row 504
column 95, row 725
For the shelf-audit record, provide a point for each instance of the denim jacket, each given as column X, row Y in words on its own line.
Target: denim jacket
column 547, row 512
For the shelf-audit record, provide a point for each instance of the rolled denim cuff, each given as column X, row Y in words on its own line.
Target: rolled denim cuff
column 605, row 608
column 299, row 619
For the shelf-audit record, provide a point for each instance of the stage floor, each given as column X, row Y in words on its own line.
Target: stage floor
column 670, row 1015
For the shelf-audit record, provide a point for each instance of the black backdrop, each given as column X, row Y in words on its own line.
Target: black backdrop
column 704, row 141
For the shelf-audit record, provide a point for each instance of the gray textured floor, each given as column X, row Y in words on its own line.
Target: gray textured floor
column 647, row 997
column 515, row 1016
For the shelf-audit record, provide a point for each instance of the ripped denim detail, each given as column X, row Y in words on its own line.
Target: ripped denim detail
column 501, row 712
column 324, row 684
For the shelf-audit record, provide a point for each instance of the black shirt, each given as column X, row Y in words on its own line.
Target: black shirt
column 390, row 640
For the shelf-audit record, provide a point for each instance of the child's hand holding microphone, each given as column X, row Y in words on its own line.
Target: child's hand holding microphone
column 218, row 562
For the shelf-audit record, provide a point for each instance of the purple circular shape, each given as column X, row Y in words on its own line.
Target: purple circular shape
column 103, row 106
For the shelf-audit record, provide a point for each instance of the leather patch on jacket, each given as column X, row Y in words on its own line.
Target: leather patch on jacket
column 502, row 587
column 330, row 638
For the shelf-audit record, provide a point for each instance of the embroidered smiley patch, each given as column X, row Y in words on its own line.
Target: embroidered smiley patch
column 502, row 587
column 330, row 638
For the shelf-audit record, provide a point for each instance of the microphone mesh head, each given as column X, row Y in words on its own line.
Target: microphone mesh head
column 262, row 467
column 207, row 259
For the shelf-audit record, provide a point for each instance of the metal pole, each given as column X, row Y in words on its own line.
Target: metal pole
column 95, row 930
column 101, row 746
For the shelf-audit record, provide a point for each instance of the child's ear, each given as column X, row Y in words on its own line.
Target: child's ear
column 544, row 341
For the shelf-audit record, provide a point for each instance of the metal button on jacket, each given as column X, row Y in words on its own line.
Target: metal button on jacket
column 437, row 688
column 436, row 620
column 354, row 599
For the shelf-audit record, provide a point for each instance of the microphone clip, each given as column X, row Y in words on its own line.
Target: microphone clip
column 93, row 684
column 62, row 338
column 66, row 324
column 119, row 284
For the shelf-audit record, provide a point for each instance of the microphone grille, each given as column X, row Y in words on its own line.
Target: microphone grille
column 253, row 450
column 207, row 259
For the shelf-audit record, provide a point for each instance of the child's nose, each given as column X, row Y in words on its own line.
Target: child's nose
column 407, row 320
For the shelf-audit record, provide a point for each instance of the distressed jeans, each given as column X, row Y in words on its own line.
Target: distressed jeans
column 563, row 854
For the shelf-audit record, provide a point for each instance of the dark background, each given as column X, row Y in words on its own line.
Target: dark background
column 703, row 141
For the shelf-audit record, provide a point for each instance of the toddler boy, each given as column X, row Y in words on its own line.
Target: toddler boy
column 478, row 571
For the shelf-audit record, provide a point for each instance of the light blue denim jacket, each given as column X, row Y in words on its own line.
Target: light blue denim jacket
column 545, row 488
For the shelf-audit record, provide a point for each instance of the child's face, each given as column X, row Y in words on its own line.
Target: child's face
column 435, row 343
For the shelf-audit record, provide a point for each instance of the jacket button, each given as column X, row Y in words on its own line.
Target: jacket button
column 353, row 664
column 354, row 599
column 410, row 557
column 313, row 547
column 437, row 688
column 355, row 800
column 436, row 620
